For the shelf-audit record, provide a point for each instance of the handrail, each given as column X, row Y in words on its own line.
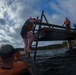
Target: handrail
column 54, row 25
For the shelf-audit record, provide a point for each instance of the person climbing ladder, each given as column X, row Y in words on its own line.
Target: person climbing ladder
column 27, row 35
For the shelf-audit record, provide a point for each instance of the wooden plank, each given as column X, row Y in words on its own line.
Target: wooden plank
column 54, row 25
column 56, row 34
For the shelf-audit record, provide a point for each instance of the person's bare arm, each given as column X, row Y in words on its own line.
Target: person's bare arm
column 35, row 21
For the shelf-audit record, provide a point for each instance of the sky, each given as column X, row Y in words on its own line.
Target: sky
column 13, row 14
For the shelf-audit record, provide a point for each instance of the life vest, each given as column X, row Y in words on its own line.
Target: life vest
column 67, row 22
column 18, row 69
column 18, row 56
column 30, row 27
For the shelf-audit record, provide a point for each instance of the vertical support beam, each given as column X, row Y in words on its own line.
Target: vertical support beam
column 70, row 45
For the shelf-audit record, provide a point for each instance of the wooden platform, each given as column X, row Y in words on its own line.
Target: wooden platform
column 50, row 34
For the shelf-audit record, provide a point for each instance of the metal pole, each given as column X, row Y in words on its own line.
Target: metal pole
column 38, row 36
column 70, row 45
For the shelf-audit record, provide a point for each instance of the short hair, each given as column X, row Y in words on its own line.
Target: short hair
column 6, row 52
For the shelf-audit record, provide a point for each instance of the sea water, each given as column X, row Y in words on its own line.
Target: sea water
column 48, row 53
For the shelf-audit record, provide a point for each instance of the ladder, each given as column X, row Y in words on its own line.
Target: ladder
column 38, row 31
